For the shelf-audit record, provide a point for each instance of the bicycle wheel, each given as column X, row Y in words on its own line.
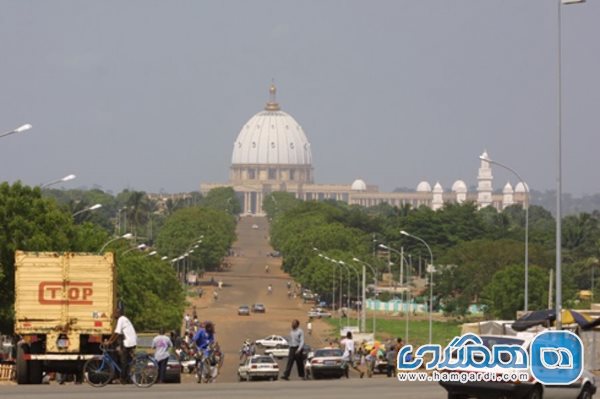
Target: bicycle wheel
column 98, row 372
column 143, row 371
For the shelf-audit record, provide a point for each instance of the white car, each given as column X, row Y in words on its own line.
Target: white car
column 318, row 313
column 272, row 341
column 255, row 226
column 258, row 366
column 278, row 353
column 584, row 388
column 325, row 362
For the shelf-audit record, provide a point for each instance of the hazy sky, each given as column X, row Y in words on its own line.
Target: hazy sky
column 150, row 95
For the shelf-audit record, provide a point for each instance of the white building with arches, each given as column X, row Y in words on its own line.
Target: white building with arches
column 272, row 153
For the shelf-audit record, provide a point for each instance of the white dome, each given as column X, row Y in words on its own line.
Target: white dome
column 424, row 187
column 520, row 187
column 438, row 188
column 507, row 189
column 459, row 186
column 272, row 137
column 359, row 185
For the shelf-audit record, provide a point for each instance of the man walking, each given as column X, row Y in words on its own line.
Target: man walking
column 161, row 344
column 295, row 352
column 348, row 355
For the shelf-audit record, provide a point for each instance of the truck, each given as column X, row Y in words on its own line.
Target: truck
column 64, row 309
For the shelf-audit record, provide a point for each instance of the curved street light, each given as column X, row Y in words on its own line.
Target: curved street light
column 61, row 180
column 126, row 236
column 140, row 247
column 431, row 270
column 526, row 207
column 559, row 167
column 89, row 208
column 20, row 129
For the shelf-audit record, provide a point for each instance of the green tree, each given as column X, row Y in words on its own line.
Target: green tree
column 224, row 199
column 184, row 228
column 504, row 295
column 32, row 223
column 150, row 291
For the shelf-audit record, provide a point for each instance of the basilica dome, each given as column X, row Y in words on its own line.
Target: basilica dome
column 271, row 137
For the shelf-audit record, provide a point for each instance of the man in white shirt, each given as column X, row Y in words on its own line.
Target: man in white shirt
column 161, row 345
column 348, row 356
column 127, row 346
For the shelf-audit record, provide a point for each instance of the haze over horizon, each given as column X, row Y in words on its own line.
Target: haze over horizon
column 150, row 95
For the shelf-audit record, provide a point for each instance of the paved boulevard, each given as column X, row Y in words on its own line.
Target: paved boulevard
column 246, row 283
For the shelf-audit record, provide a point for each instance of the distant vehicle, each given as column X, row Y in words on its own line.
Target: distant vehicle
column 173, row 373
column 272, row 341
column 258, row 308
column 308, row 295
column 584, row 388
column 325, row 362
column 255, row 226
column 278, row 353
column 275, row 254
column 244, row 310
column 258, row 366
column 317, row 313
column 283, row 351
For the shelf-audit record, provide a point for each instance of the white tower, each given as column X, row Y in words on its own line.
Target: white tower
column 460, row 189
column 507, row 196
column 484, row 182
column 438, row 197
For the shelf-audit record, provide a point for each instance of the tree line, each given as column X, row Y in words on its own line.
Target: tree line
column 33, row 219
column 478, row 253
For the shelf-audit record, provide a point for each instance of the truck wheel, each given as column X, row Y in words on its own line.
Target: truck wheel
column 22, row 369
column 35, row 366
column 35, row 372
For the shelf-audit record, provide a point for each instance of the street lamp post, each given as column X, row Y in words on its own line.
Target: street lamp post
column 364, row 294
column 126, row 236
column 526, row 207
column 140, row 247
column 61, row 180
column 89, row 208
column 431, row 270
column 357, row 288
column 559, row 165
column 407, row 315
column 20, row 129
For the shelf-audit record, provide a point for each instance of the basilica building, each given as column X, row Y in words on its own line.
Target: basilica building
column 272, row 153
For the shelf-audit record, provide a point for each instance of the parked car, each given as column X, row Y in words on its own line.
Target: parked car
column 278, row 353
column 584, row 388
column 272, row 341
column 325, row 362
column 307, row 295
column 258, row 366
column 317, row 313
column 244, row 310
column 258, row 308
column 255, row 226
column 173, row 373
column 283, row 351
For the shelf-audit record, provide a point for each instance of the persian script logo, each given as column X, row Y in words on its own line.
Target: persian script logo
column 554, row 357
column 65, row 292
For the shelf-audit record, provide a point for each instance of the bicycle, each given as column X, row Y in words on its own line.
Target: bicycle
column 100, row 371
column 208, row 364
